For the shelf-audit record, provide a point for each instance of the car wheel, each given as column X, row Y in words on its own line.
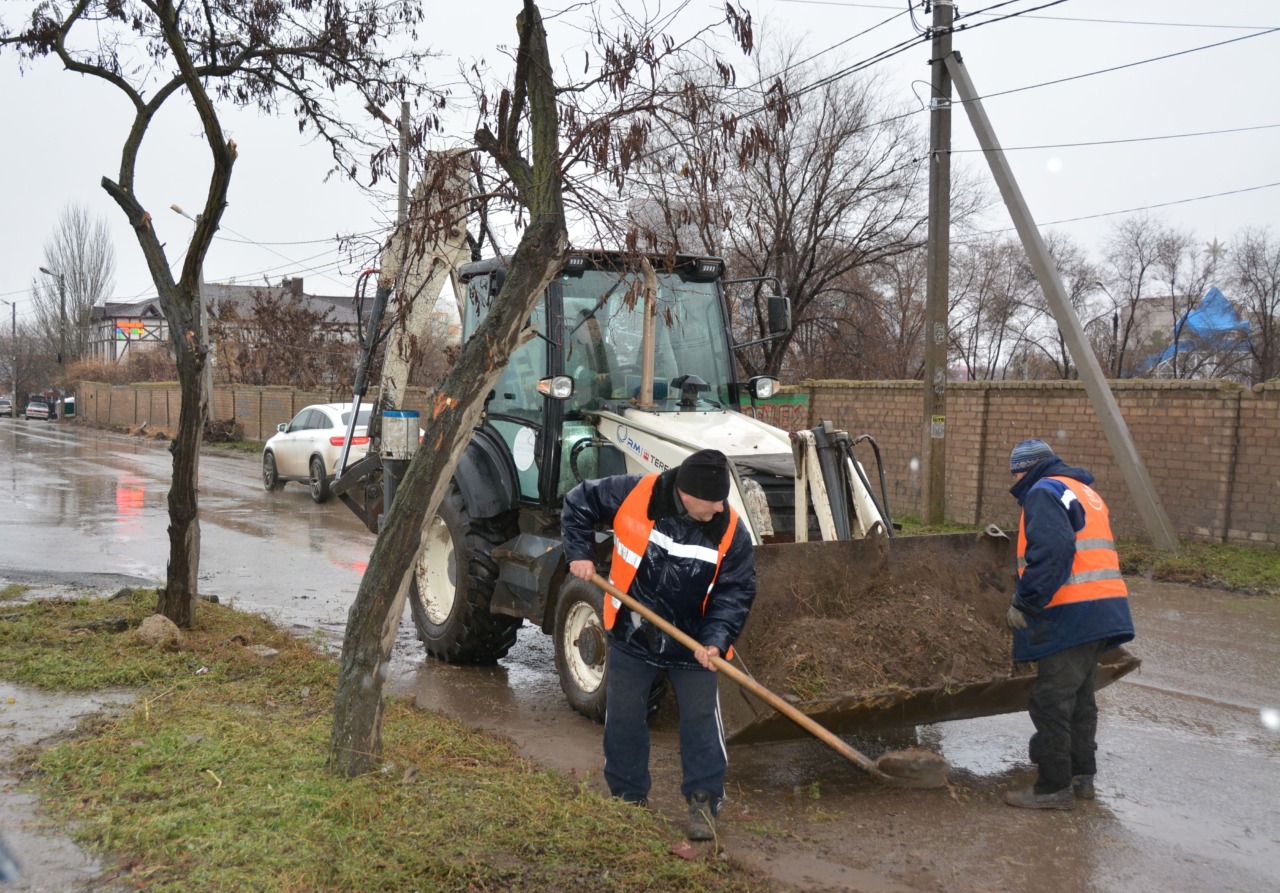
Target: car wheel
column 270, row 477
column 453, row 585
column 319, row 481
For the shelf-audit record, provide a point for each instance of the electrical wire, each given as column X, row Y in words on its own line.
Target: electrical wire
column 986, row 10
column 1116, row 142
column 1043, row 18
column 1181, row 201
column 1087, row 74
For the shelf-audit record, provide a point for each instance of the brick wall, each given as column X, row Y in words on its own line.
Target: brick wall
column 1212, row 449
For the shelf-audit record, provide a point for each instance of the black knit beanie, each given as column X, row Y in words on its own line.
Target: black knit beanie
column 704, row 475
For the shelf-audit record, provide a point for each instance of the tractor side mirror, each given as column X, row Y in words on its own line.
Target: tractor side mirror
column 779, row 309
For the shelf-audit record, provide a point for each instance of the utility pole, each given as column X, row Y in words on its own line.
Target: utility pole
column 62, row 317
column 1104, row 403
column 13, row 350
column 933, row 494
column 62, row 325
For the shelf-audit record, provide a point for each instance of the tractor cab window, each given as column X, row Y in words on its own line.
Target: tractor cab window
column 604, row 335
column 517, row 410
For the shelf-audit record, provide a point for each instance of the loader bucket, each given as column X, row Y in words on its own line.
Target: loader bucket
column 873, row 634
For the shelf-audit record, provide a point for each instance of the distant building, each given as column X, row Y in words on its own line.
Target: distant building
column 119, row 327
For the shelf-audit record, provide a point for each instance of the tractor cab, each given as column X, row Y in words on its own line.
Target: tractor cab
column 607, row 344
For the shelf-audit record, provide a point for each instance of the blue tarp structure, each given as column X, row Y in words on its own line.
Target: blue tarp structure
column 1213, row 326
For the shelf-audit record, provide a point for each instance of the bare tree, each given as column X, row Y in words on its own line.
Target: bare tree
column 1185, row 276
column 550, row 144
column 83, row 263
column 25, row 360
column 990, row 305
column 1080, row 279
column 280, row 341
column 901, row 283
column 1254, row 271
column 831, row 186
column 197, row 57
column 1130, row 281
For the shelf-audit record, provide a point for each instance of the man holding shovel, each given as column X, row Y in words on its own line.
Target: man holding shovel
column 1070, row 605
column 681, row 551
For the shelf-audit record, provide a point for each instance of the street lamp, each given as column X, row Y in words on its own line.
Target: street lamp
column 62, row 297
column 204, row 322
column 1115, row 330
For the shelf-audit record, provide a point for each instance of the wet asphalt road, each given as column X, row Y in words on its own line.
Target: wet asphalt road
column 1189, row 789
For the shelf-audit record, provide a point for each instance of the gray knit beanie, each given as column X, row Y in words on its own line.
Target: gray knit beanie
column 1028, row 454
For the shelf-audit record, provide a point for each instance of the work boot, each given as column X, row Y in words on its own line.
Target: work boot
column 1082, row 787
column 1029, row 799
column 702, row 821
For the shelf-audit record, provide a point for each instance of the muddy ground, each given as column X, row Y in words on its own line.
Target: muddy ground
column 1189, row 794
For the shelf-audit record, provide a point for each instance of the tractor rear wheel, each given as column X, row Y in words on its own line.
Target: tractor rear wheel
column 453, row 585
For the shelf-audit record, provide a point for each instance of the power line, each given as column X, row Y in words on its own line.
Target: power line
column 1087, row 74
column 1135, row 139
column 1088, row 20
column 1180, row 201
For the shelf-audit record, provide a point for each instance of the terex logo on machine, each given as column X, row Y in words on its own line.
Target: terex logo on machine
column 625, row 439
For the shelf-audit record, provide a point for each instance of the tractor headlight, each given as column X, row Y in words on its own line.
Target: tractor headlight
column 763, row 387
column 708, row 268
column 557, row 387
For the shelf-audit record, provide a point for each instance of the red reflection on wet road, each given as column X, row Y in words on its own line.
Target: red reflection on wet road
column 130, row 501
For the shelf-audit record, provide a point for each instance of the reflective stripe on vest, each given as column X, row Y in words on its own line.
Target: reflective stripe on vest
column 632, row 534
column 1095, row 571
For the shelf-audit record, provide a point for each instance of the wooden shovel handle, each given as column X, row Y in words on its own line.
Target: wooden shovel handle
column 777, row 703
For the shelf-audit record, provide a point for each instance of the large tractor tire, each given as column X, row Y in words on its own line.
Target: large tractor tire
column 453, row 585
column 581, row 650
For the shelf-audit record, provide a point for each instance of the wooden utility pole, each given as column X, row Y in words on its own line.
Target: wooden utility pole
column 1144, row 493
column 933, row 494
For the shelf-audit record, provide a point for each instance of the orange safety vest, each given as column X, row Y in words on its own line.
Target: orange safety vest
column 632, row 533
column 1095, row 572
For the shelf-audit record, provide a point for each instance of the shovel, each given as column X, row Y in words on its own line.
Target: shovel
column 907, row 768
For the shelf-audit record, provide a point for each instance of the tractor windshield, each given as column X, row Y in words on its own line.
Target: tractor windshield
column 604, row 338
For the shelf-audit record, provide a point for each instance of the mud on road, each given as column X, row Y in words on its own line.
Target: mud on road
column 1188, row 799
column 1188, row 793
column 1188, row 788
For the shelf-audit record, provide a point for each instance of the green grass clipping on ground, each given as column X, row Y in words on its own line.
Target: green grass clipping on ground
column 215, row 778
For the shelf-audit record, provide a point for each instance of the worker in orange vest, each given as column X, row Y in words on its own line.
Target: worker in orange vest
column 679, row 549
column 1070, row 605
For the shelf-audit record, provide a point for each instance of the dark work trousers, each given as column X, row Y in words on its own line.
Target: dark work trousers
column 703, row 756
column 1065, row 714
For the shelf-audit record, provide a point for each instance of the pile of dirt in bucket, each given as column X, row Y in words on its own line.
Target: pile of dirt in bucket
column 832, row 620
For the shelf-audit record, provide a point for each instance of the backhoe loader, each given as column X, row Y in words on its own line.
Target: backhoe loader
column 632, row 370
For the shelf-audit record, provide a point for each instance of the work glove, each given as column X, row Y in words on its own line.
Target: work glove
column 1015, row 618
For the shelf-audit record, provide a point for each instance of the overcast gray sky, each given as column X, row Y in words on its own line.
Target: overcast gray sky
column 63, row 132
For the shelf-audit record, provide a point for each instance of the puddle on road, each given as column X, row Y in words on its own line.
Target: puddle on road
column 48, row 860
